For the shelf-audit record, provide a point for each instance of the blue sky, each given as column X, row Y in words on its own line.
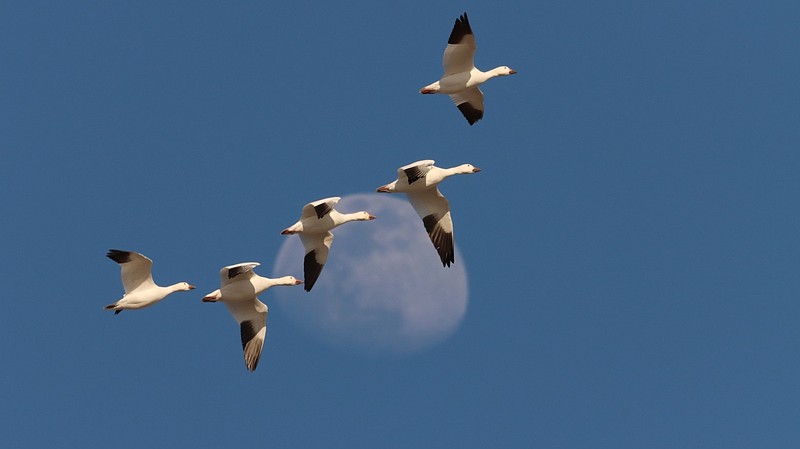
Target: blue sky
column 632, row 241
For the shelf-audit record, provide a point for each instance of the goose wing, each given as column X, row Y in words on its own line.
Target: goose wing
column 459, row 55
column 240, row 271
column 415, row 171
column 252, row 319
column 317, row 246
column 136, row 269
column 470, row 103
column 434, row 210
column 319, row 208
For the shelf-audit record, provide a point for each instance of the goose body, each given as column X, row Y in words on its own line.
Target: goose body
column 239, row 288
column 419, row 181
column 314, row 227
column 461, row 78
column 137, row 281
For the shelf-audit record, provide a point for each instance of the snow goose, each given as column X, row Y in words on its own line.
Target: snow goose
column 239, row 288
column 419, row 182
column 314, row 226
column 137, row 280
column 461, row 78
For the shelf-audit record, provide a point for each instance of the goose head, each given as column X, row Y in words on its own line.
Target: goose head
column 364, row 216
column 468, row 168
column 504, row 71
column 289, row 280
column 183, row 287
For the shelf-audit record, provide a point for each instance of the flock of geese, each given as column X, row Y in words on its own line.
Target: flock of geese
column 240, row 285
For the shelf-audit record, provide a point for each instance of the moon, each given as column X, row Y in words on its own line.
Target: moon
column 383, row 290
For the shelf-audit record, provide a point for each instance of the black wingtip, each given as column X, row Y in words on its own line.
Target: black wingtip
column 442, row 241
column 253, row 355
column 460, row 29
column 119, row 256
column 470, row 113
column 322, row 209
column 446, row 253
column 247, row 331
column 235, row 271
column 414, row 174
column 311, row 270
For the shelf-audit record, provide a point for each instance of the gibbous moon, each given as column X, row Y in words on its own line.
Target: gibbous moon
column 383, row 289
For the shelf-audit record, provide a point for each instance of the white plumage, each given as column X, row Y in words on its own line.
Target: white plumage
column 137, row 280
column 419, row 182
column 461, row 78
column 316, row 221
column 239, row 288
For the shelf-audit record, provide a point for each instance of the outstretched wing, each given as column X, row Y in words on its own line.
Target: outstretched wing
column 434, row 210
column 470, row 103
column 317, row 246
column 136, row 269
column 252, row 319
column 319, row 208
column 459, row 55
column 415, row 171
column 240, row 271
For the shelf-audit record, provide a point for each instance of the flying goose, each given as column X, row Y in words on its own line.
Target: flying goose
column 137, row 280
column 239, row 287
column 461, row 78
column 314, row 226
column 419, row 182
